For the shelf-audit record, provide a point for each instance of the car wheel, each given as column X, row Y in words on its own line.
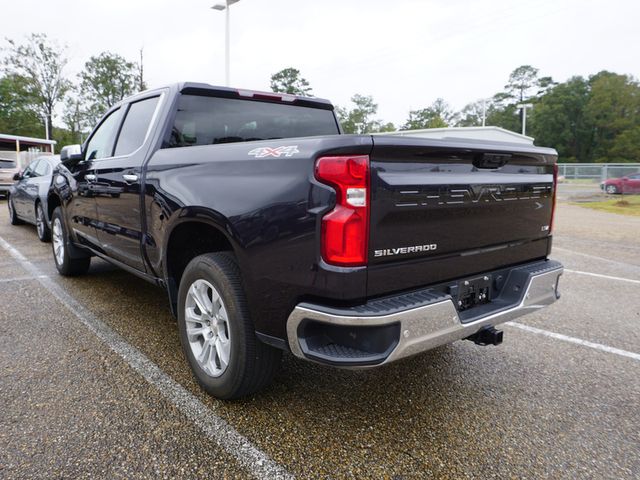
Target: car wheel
column 13, row 217
column 611, row 189
column 60, row 244
column 44, row 233
column 217, row 334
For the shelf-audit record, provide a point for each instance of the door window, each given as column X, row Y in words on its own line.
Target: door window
column 29, row 171
column 101, row 143
column 135, row 126
column 41, row 169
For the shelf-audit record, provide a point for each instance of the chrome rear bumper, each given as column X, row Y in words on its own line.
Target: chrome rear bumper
column 409, row 331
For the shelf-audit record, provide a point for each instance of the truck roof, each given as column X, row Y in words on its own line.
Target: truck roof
column 198, row 88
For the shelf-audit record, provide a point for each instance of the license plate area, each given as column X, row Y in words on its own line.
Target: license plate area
column 472, row 292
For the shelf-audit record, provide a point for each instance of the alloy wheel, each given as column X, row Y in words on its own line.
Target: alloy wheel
column 40, row 221
column 208, row 331
column 58, row 241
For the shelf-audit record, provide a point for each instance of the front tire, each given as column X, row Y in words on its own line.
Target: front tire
column 611, row 189
column 44, row 232
column 60, row 243
column 217, row 334
column 13, row 217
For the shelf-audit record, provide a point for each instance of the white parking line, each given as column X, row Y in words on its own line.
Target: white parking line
column 577, row 341
column 595, row 257
column 20, row 279
column 599, row 275
column 214, row 427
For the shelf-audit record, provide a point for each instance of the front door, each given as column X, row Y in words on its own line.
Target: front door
column 632, row 185
column 118, row 183
column 19, row 197
column 83, row 215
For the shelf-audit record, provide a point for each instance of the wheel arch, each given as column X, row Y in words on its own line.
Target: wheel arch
column 193, row 233
column 53, row 201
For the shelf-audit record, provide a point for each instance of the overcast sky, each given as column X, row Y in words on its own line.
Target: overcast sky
column 405, row 53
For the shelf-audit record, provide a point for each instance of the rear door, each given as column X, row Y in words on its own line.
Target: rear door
column 41, row 169
column 445, row 209
column 118, row 183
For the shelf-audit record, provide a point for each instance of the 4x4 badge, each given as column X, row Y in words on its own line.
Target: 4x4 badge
column 262, row 152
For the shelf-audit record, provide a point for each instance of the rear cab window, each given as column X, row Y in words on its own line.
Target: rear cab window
column 202, row 120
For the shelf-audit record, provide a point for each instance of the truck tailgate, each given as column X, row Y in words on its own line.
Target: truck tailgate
column 446, row 209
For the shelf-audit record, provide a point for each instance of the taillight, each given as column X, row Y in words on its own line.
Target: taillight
column 345, row 229
column 555, row 192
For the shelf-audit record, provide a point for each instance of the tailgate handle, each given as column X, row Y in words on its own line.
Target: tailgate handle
column 491, row 160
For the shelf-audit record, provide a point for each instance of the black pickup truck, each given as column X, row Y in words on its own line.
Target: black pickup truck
column 270, row 230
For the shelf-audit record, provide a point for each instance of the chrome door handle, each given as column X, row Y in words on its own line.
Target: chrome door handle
column 90, row 177
column 130, row 177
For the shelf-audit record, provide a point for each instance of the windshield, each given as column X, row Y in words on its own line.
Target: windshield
column 209, row 120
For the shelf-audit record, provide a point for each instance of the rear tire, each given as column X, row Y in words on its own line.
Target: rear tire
column 65, row 265
column 217, row 334
column 13, row 217
column 44, row 232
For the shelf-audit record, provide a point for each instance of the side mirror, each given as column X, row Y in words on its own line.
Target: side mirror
column 625, row 178
column 71, row 154
column 17, row 176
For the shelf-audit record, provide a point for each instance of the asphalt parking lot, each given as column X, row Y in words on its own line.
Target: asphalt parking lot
column 93, row 384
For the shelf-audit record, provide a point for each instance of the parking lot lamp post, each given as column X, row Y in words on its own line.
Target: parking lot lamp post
column 225, row 6
column 524, row 107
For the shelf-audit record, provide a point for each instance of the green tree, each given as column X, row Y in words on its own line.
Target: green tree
column 290, row 81
column 18, row 110
column 386, row 127
column 75, row 120
column 360, row 119
column 626, row 146
column 437, row 115
column 613, row 107
column 558, row 120
column 471, row 114
column 104, row 81
column 522, row 82
column 40, row 62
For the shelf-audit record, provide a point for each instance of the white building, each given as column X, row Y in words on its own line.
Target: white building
column 495, row 134
column 17, row 151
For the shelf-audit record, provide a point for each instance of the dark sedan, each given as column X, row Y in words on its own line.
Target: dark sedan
column 28, row 196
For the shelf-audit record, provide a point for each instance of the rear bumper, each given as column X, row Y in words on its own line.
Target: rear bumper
column 392, row 328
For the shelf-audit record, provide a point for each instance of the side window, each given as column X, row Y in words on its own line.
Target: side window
column 101, row 143
column 135, row 126
column 29, row 171
column 41, row 169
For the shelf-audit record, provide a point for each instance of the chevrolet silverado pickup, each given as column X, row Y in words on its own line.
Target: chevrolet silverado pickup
column 272, row 231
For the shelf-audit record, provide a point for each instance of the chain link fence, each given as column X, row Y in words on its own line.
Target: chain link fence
column 596, row 172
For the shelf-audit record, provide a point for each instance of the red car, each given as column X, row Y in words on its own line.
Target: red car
column 628, row 184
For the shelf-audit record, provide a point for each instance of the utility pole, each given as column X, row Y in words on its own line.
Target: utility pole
column 484, row 112
column 46, row 126
column 141, row 86
column 524, row 107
